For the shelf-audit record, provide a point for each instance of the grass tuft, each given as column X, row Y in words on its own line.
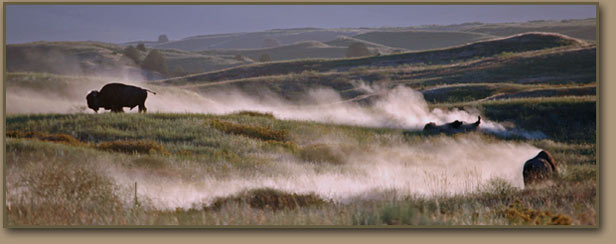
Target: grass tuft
column 256, row 132
column 272, row 199
column 58, row 138
column 257, row 114
column 133, row 146
column 65, row 194
column 287, row 145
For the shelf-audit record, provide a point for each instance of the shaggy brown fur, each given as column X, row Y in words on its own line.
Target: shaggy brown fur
column 539, row 168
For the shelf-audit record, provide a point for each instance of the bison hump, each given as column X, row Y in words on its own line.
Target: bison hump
column 537, row 169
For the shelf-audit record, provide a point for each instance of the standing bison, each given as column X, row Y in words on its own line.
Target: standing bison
column 116, row 96
column 539, row 168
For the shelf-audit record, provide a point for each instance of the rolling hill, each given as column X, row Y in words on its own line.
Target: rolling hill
column 584, row 29
column 520, row 66
column 94, row 58
column 254, row 40
column 224, row 51
column 502, row 46
column 411, row 37
column 305, row 49
column 421, row 40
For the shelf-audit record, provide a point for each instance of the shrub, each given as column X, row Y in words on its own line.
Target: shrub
column 394, row 213
column 498, row 188
column 256, row 132
column 60, row 193
column 58, row 138
column 132, row 53
column 136, row 146
column 400, row 215
column 155, row 62
column 141, row 47
column 517, row 213
column 268, row 198
column 163, row 38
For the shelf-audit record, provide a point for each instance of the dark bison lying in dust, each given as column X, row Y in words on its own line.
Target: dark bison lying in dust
column 116, row 96
column 539, row 168
column 453, row 127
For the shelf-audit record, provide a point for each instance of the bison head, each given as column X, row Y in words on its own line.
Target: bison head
column 92, row 99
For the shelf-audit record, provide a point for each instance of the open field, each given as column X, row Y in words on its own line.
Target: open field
column 315, row 141
column 355, row 175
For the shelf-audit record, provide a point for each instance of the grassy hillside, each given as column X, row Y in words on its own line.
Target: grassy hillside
column 411, row 37
column 179, row 61
column 304, row 50
column 235, row 49
column 422, row 40
column 468, row 63
column 254, row 40
column 93, row 58
column 584, row 29
column 581, row 29
column 65, row 57
column 102, row 164
column 466, row 92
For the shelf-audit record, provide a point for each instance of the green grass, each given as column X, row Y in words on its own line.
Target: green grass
column 552, row 116
column 196, row 147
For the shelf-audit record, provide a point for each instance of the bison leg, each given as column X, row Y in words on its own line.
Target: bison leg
column 117, row 110
column 142, row 108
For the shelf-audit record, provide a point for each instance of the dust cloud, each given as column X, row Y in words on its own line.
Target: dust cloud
column 438, row 166
column 399, row 107
column 443, row 166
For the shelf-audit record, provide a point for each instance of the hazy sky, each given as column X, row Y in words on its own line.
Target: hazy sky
column 123, row 23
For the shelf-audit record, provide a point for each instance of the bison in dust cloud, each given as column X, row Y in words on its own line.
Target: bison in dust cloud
column 453, row 127
column 116, row 96
column 539, row 168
